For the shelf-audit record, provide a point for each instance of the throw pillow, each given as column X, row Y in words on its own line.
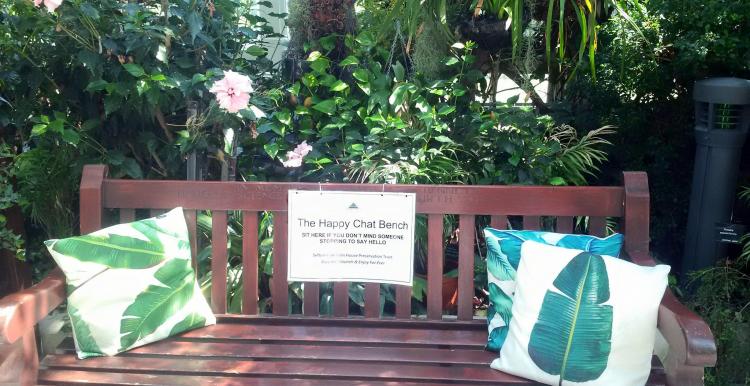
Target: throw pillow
column 582, row 318
column 130, row 284
column 503, row 256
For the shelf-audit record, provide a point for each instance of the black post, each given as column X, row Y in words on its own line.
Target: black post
column 722, row 117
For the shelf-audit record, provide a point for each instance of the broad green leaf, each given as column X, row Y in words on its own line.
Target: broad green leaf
column 157, row 303
column 398, row 94
column 339, row 86
column 111, row 250
column 71, row 137
column 89, row 10
column 97, row 85
column 557, row 181
column 572, row 335
column 361, row 75
column 348, row 61
column 315, row 55
column 256, row 51
column 190, row 322
column 399, row 71
column 38, row 129
column 271, row 149
column 327, row 106
column 131, row 168
column 134, row 69
column 195, row 24
column 446, row 109
column 112, row 103
column 82, row 333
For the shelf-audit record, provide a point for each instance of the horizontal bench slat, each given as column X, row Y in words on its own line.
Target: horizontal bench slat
column 431, row 199
column 289, row 368
column 329, row 335
column 74, row 377
column 231, row 350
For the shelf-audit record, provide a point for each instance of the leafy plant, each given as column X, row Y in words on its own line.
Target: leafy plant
column 8, row 198
column 722, row 297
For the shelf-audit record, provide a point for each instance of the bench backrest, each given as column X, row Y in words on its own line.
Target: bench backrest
column 629, row 203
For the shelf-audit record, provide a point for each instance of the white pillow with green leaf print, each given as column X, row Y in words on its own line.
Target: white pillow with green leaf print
column 130, row 284
column 581, row 318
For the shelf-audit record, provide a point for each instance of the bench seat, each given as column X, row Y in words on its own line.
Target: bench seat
column 301, row 351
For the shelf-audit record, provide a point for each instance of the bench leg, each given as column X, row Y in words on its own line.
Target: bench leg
column 19, row 362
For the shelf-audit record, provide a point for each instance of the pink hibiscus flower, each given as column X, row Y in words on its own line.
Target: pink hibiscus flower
column 50, row 4
column 233, row 91
column 294, row 157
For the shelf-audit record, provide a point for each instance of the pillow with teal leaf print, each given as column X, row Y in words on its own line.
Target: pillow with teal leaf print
column 581, row 318
column 503, row 257
column 130, row 284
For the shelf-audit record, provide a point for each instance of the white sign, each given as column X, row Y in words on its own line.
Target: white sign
column 351, row 236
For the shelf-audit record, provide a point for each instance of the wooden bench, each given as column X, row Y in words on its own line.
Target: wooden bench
column 310, row 349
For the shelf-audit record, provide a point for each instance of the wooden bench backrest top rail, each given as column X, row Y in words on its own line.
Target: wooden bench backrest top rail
column 629, row 202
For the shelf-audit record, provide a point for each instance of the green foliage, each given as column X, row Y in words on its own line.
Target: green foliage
column 371, row 123
column 8, row 198
column 557, row 345
column 124, row 84
column 709, row 37
column 722, row 297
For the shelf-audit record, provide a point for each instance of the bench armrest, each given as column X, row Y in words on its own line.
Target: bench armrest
column 691, row 342
column 21, row 311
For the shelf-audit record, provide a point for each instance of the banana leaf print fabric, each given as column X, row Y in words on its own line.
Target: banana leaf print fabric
column 503, row 257
column 130, row 284
column 582, row 318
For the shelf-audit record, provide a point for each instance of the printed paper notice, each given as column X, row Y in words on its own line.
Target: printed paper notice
column 351, row 236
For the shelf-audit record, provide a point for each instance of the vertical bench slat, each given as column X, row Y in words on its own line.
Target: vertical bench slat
column 280, row 286
column 466, row 267
column 156, row 212
column 372, row 300
column 598, row 226
column 564, row 224
column 249, row 262
column 311, row 300
column 191, row 219
column 531, row 223
column 403, row 302
column 341, row 299
column 219, row 261
column 499, row 222
column 435, row 266
column 127, row 215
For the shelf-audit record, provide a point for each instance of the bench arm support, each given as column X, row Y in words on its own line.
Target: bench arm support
column 19, row 314
column 691, row 342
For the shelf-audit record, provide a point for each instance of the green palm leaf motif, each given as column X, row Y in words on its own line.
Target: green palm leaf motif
column 497, row 262
column 82, row 333
column 112, row 250
column 572, row 335
column 157, row 303
column 190, row 322
column 502, row 302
